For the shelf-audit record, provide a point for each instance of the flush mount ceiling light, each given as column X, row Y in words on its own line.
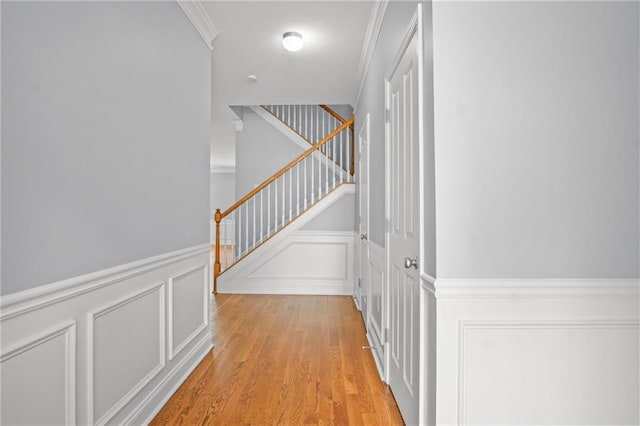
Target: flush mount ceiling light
column 292, row 41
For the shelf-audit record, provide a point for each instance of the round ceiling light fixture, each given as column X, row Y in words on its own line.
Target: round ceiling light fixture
column 292, row 41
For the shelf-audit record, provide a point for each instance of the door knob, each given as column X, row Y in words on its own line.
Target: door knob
column 408, row 262
column 363, row 236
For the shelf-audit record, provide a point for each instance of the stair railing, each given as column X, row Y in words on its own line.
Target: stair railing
column 281, row 198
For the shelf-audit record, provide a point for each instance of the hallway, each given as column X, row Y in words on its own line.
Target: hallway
column 284, row 360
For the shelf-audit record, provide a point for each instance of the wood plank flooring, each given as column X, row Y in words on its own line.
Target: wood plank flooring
column 284, row 360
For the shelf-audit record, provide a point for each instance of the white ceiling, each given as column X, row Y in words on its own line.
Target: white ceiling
column 249, row 41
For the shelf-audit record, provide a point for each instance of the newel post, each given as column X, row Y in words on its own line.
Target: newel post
column 216, row 265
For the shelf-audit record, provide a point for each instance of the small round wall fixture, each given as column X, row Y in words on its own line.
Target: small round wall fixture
column 292, row 41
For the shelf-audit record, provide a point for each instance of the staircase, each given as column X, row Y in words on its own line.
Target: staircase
column 326, row 164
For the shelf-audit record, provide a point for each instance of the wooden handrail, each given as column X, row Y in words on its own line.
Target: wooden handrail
column 283, row 170
column 333, row 113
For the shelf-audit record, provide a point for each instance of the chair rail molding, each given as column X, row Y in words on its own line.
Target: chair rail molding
column 200, row 19
column 155, row 311
column 535, row 351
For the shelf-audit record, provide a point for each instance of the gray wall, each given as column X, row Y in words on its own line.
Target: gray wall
column 537, row 139
column 338, row 217
column 261, row 150
column 105, row 148
column 395, row 24
column 223, row 190
column 533, row 107
column 346, row 111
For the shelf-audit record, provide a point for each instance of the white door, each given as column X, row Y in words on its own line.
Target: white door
column 363, row 209
column 404, row 231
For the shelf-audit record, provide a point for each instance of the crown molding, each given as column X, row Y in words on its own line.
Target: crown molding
column 200, row 19
column 370, row 39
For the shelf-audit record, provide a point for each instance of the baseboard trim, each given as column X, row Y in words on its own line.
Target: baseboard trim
column 284, row 266
column 101, row 316
column 165, row 389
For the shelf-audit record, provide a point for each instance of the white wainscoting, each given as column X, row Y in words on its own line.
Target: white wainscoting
column 107, row 347
column 304, row 262
column 537, row 352
column 376, row 315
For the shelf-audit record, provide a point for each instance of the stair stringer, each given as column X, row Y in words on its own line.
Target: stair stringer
column 295, row 261
column 293, row 136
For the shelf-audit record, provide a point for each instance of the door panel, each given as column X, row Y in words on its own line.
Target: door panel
column 404, row 233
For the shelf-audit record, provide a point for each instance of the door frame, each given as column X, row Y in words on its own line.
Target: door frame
column 364, row 129
column 415, row 28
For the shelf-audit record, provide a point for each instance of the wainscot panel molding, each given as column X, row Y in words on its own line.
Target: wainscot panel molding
column 200, row 19
column 126, row 338
column 303, row 262
column 254, row 275
column 52, row 383
column 537, row 351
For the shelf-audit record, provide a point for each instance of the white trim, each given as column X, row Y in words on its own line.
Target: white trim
column 36, row 298
column 174, row 351
column 69, row 331
column 200, row 20
column 251, row 277
column 223, row 169
column 238, row 124
column 517, row 324
column 374, row 27
column 75, row 303
column 135, row 390
column 414, row 29
column 188, row 364
column 362, row 256
column 428, row 283
column 537, row 288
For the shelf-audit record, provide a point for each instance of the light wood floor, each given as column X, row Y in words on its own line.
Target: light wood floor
column 284, row 360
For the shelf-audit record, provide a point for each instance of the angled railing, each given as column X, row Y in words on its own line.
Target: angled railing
column 310, row 122
column 281, row 198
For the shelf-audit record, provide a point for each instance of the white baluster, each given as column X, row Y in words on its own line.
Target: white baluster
column 297, row 189
column 320, row 176
column 275, row 205
column 347, row 166
column 341, row 164
column 326, row 169
column 268, row 210
column 333, row 160
column 223, row 244
column 290, row 173
column 313, row 192
column 305, row 182
column 246, row 234
column 239, row 225
column 283, row 198
column 261, row 214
